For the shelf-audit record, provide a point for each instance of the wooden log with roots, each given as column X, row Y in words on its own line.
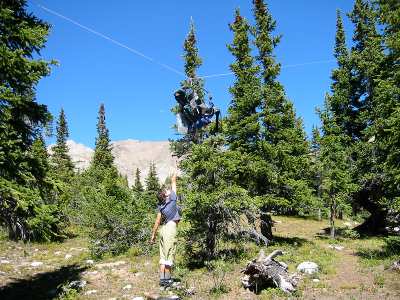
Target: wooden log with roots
column 265, row 271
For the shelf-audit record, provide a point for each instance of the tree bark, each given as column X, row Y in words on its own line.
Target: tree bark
column 265, row 271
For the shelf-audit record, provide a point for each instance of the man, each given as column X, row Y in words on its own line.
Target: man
column 168, row 217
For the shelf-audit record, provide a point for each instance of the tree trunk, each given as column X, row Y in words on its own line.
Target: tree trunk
column 266, row 224
column 210, row 239
column 265, row 271
column 332, row 219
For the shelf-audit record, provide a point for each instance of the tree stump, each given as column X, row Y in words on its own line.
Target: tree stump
column 265, row 271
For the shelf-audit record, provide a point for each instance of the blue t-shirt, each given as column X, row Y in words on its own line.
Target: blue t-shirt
column 169, row 210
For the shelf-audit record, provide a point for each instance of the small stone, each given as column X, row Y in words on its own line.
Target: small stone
column 3, row 273
column 92, row 272
column 57, row 253
column 89, row 262
column 36, row 250
column 137, row 298
column 395, row 266
column 4, row 261
column 77, row 284
column 127, row 287
column 112, row 264
column 308, row 267
column 315, row 280
column 36, row 264
column 396, row 229
column 138, row 274
column 348, row 224
column 336, row 247
column 68, row 256
column 173, row 297
column 90, row 292
column 190, row 291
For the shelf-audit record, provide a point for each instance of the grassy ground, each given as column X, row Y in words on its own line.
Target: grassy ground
column 359, row 271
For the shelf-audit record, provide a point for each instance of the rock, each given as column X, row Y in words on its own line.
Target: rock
column 36, row 264
column 336, row 247
column 308, row 267
column 137, row 298
column 112, row 264
column 348, row 224
column 190, row 291
column 3, row 273
column 91, row 272
column 4, row 261
column 57, row 253
column 315, row 280
column 138, row 274
column 127, row 287
column 77, row 284
column 36, row 250
column 89, row 261
column 68, row 256
column 90, row 292
column 395, row 266
column 396, row 229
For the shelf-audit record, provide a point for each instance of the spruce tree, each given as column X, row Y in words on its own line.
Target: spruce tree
column 22, row 119
column 102, row 157
column 137, row 186
column 62, row 163
column 282, row 143
column 192, row 62
column 387, row 108
column 242, row 127
column 152, row 182
column 366, row 59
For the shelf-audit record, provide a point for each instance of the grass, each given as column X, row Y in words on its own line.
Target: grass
column 360, row 271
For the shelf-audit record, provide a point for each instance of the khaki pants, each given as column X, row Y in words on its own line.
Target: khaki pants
column 167, row 243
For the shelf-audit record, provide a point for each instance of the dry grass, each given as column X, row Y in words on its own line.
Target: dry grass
column 343, row 274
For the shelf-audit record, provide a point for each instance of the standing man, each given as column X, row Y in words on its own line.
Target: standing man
column 168, row 217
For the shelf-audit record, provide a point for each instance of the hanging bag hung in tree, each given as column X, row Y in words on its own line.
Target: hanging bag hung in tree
column 193, row 113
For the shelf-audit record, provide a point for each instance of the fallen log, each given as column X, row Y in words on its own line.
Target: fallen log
column 265, row 271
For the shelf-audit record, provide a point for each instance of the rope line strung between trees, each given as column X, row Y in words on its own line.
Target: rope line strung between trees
column 148, row 58
column 111, row 40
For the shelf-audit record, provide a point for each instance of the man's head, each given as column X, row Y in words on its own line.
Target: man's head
column 162, row 195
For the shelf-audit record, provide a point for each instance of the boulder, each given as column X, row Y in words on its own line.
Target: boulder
column 308, row 267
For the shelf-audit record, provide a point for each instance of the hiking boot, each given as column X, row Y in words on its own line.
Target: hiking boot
column 166, row 282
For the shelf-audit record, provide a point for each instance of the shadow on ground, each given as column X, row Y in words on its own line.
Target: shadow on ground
column 41, row 286
column 288, row 241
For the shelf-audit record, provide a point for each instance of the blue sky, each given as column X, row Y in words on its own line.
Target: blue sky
column 137, row 93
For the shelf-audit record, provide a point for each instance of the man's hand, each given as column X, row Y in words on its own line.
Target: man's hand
column 152, row 239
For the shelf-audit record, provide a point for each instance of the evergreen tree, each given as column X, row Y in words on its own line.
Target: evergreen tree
column 387, row 108
column 366, row 59
column 242, row 123
column 192, row 63
column 102, row 157
column 138, row 187
column 63, row 166
column 22, row 118
column 152, row 182
column 282, row 143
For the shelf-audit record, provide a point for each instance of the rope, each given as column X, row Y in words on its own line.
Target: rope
column 165, row 66
column 283, row 67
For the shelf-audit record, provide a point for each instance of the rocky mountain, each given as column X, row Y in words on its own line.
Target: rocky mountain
column 129, row 155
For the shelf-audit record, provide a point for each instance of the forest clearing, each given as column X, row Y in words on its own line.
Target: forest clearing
column 361, row 270
column 242, row 200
